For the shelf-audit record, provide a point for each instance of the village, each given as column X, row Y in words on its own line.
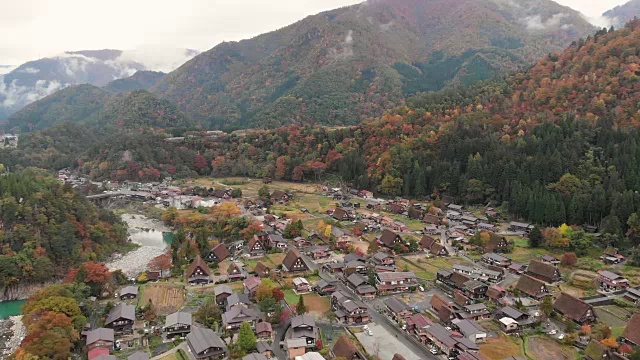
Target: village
column 378, row 279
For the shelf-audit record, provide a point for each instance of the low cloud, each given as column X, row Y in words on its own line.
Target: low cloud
column 18, row 90
column 601, row 21
column 158, row 58
column 349, row 39
column 14, row 96
column 535, row 22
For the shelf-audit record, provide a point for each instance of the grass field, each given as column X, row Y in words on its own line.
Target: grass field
column 403, row 265
column 613, row 315
column 316, row 305
column 501, row 347
column 250, row 186
column 166, row 298
column 430, row 266
column 274, row 259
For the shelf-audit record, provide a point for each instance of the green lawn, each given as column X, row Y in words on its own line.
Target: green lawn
column 290, row 297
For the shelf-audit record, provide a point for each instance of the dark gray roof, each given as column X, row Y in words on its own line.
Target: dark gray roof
column 469, row 327
column 178, row 318
column 129, row 290
column 239, row 313
column 99, row 334
column 237, row 298
column 511, row 312
column 396, row 305
column 106, row 357
column 121, row 310
column 303, row 320
column 201, row 339
column 223, row 289
column 356, row 279
column 138, row 355
column 254, row 356
column 263, row 346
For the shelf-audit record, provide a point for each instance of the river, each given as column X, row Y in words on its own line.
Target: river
column 10, row 308
column 148, row 234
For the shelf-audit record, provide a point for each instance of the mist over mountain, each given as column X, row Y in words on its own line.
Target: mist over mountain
column 36, row 79
column 622, row 14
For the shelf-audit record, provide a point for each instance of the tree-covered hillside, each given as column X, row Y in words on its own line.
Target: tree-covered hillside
column 344, row 65
column 87, row 104
column 141, row 80
column 46, row 228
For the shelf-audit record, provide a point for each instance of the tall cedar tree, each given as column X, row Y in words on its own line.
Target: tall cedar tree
column 300, row 307
column 246, row 337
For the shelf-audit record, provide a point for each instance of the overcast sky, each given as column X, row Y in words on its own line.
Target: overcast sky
column 37, row 28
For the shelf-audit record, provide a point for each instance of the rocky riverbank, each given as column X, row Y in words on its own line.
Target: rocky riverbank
column 148, row 234
column 134, row 262
column 12, row 331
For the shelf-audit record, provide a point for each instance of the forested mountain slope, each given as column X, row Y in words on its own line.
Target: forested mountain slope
column 558, row 143
column 87, row 104
column 46, row 228
column 344, row 65
column 141, row 80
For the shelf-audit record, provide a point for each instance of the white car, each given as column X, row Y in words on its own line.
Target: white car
column 421, row 288
column 369, row 332
column 434, row 351
column 553, row 332
column 561, row 337
column 365, row 328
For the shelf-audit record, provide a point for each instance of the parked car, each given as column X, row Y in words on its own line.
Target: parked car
column 434, row 351
column 553, row 332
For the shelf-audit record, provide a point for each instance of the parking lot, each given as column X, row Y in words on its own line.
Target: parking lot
column 384, row 344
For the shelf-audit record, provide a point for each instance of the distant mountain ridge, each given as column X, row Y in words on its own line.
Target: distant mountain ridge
column 36, row 79
column 141, row 80
column 343, row 65
column 622, row 14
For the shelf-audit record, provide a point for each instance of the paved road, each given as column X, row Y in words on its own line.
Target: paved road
column 385, row 323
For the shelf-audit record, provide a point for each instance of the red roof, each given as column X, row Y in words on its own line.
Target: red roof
column 97, row 352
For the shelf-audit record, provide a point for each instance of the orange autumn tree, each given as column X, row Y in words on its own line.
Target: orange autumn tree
column 94, row 274
column 161, row 262
column 226, row 210
column 53, row 321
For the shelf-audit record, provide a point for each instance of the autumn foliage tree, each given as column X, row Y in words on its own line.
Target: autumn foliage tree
column 53, row 320
column 569, row 259
column 161, row 262
column 94, row 274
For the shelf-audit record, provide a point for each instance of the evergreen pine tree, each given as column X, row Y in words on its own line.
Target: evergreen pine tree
column 246, row 337
column 300, row 307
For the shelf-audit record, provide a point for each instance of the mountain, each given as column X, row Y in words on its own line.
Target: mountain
column 343, row 65
column 36, row 79
column 622, row 14
column 88, row 104
column 556, row 144
column 141, row 80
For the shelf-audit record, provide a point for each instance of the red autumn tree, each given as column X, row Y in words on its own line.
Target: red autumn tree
column 199, row 162
column 278, row 294
column 569, row 259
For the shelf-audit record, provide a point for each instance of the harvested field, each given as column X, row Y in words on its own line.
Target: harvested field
column 613, row 315
column 502, row 347
column 543, row 348
column 166, row 298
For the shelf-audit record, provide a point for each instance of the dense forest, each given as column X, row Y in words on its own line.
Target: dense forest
column 46, row 227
